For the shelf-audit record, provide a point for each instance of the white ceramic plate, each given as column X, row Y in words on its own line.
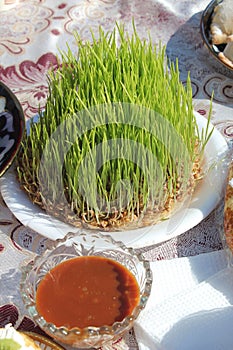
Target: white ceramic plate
column 204, row 199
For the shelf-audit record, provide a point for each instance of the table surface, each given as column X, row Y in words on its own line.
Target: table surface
column 31, row 33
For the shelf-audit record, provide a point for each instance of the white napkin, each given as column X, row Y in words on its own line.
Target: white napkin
column 191, row 305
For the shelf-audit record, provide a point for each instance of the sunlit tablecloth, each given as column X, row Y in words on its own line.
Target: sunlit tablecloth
column 31, row 34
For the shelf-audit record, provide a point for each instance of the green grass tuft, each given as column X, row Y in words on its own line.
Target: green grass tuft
column 119, row 125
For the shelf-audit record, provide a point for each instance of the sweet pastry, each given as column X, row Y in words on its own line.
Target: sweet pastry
column 10, row 339
column 227, row 55
column 221, row 27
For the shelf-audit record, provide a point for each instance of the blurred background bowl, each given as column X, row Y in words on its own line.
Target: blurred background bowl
column 206, row 20
column 12, row 125
column 78, row 245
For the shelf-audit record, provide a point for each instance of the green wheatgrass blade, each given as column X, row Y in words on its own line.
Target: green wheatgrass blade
column 9, row 344
column 120, row 179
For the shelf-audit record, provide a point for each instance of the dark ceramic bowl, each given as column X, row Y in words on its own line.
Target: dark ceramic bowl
column 12, row 125
column 206, row 20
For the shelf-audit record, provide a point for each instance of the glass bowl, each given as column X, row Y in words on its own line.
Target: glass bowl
column 78, row 245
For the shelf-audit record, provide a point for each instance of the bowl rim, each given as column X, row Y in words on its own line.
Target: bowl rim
column 22, row 125
column 42, row 340
column 205, row 19
column 92, row 331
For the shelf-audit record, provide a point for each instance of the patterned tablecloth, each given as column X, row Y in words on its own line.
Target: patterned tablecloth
column 31, row 34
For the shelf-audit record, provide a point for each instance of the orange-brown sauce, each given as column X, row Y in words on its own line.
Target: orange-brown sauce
column 87, row 291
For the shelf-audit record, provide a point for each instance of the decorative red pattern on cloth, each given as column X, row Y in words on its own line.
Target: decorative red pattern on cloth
column 8, row 314
column 29, row 81
column 20, row 25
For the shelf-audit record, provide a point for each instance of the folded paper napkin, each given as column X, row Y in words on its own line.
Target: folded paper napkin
column 191, row 305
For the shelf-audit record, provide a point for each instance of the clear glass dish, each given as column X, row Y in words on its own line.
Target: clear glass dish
column 84, row 244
